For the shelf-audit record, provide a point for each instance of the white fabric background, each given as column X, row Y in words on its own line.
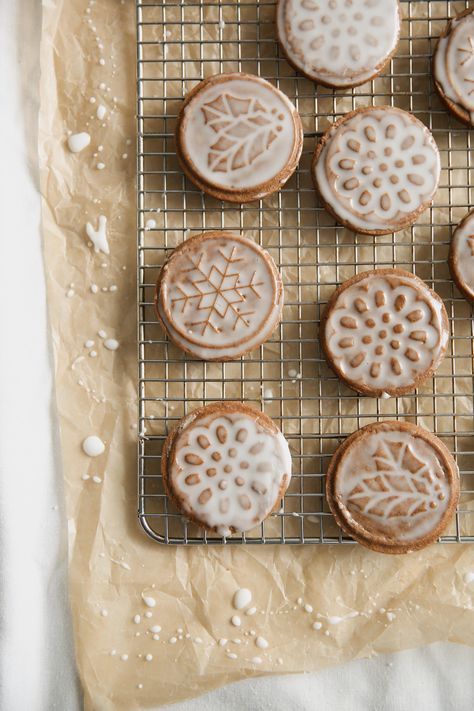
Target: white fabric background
column 36, row 653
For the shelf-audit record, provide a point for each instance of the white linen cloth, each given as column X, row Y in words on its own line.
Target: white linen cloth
column 36, row 649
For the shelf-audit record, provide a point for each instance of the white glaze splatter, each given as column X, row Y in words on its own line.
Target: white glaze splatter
column 93, row 446
column 235, row 620
column 111, row 344
column 78, row 141
column 99, row 237
column 261, row 643
column 148, row 600
column 242, row 598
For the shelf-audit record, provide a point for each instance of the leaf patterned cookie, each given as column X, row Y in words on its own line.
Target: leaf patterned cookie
column 393, row 486
column 238, row 138
column 461, row 256
column 227, row 466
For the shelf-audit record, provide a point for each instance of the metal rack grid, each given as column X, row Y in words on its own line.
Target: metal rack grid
column 179, row 43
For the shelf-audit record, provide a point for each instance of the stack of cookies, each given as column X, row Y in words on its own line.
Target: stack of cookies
column 392, row 486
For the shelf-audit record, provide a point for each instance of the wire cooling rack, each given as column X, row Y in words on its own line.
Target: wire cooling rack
column 179, row 43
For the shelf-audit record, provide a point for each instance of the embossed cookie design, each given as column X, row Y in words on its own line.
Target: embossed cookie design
column 226, row 466
column 338, row 43
column 377, row 169
column 461, row 256
column 219, row 296
column 238, row 138
column 453, row 66
column 384, row 332
column 393, row 487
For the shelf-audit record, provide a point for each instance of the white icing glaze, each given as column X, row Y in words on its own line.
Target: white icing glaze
column 377, row 168
column 384, row 331
column 454, row 63
column 78, row 141
column 239, row 133
column 220, row 296
column 93, row 446
column 468, row 577
column 463, row 253
column 228, row 470
column 99, row 237
column 111, row 344
column 242, row 598
column 261, row 643
column 148, row 600
column 340, row 42
column 396, row 482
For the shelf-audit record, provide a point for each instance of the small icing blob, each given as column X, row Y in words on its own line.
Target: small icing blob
column 101, row 111
column 341, row 42
column 93, row 446
column 148, row 600
column 111, row 344
column 235, row 620
column 99, row 237
column 468, row 577
column 377, row 168
column 241, row 598
column 261, row 643
column 78, row 141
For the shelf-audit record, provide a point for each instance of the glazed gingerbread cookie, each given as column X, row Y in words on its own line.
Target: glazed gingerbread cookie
column 226, row 466
column 384, row 332
column 238, row 138
column 219, row 296
column 339, row 43
column 393, row 487
column 461, row 256
column 453, row 66
column 377, row 169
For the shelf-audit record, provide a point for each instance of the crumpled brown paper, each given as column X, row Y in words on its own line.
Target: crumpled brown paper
column 401, row 601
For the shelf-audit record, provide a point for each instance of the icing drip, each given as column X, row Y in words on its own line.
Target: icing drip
column 238, row 133
column 99, row 237
column 395, row 482
column 382, row 331
column 78, row 141
column 228, row 471
column 341, row 41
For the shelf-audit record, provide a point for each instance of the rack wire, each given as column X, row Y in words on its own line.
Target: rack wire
column 179, row 42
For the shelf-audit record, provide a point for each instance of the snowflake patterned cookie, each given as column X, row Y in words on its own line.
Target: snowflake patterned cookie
column 461, row 256
column 384, row 332
column 339, row 43
column 393, row 487
column 219, row 296
column 453, row 66
column 377, row 169
column 238, row 138
column 226, row 466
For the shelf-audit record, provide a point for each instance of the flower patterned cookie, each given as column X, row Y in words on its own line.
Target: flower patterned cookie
column 377, row 169
column 384, row 332
column 453, row 66
column 461, row 256
column 339, row 43
column 238, row 138
column 226, row 466
column 219, row 296
column 393, row 487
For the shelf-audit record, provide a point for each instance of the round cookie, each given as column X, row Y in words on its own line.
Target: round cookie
column 238, row 138
column 219, row 296
column 461, row 256
column 376, row 169
column 226, row 467
column 384, row 332
column 453, row 66
column 393, row 487
column 340, row 43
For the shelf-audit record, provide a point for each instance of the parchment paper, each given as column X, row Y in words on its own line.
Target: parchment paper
column 401, row 602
